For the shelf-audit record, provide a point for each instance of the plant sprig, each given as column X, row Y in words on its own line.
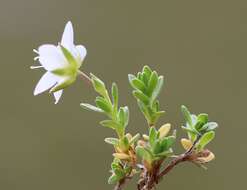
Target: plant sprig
column 147, row 86
column 118, row 119
column 153, row 149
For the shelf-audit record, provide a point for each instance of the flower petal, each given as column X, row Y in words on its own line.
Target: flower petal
column 47, row 81
column 82, row 52
column 68, row 36
column 57, row 95
column 51, row 57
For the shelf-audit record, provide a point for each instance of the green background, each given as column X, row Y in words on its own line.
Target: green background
column 200, row 48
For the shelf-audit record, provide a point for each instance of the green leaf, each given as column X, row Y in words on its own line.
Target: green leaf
column 131, row 77
column 91, row 107
column 157, row 148
column 113, row 141
column 113, row 179
column 209, row 126
column 134, row 139
column 111, row 124
column 123, row 116
column 144, row 109
column 72, row 61
column 190, row 130
column 156, row 106
column 138, row 84
column 68, row 71
column 146, row 69
column 144, row 153
column 152, row 82
column 139, row 75
column 193, row 119
column 124, row 143
column 115, row 166
column 203, row 118
column 198, row 125
column 145, row 78
column 103, row 104
column 187, row 115
column 205, row 139
column 155, row 116
column 120, row 173
column 166, row 153
column 128, row 169
column 152, row 135
column 99, row 85
column 167, row 142
column 63, row 85
column 158, row 88
column 140, row 96
column 115, row 96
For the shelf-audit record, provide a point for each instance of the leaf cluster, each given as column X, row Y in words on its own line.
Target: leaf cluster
column 158, row 146
column 119, row 171
column 118, row 117
column 198, row 126
column 147, row 86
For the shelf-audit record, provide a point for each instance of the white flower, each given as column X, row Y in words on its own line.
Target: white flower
column 61, row 62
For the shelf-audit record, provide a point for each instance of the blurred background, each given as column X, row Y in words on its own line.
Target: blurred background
column 200, row 48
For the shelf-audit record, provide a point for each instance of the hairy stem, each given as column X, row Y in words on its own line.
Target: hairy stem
column 85, row 77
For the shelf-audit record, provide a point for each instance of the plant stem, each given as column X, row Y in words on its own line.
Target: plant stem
column 181, row 158
column 84, row 77
column 149, row 184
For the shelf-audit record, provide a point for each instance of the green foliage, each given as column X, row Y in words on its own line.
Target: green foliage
column 144, row 153
column 205, row 139
column 70, row 58
column 113, row 141
column 134, row 139
column 157, row 147
column 147, row 86
column 119, row 171
column 118, row 117
column 198, row 126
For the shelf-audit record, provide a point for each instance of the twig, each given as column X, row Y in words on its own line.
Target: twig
column 181, row 158
column 149, row 181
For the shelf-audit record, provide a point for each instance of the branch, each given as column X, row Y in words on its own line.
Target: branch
column 181, row 158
